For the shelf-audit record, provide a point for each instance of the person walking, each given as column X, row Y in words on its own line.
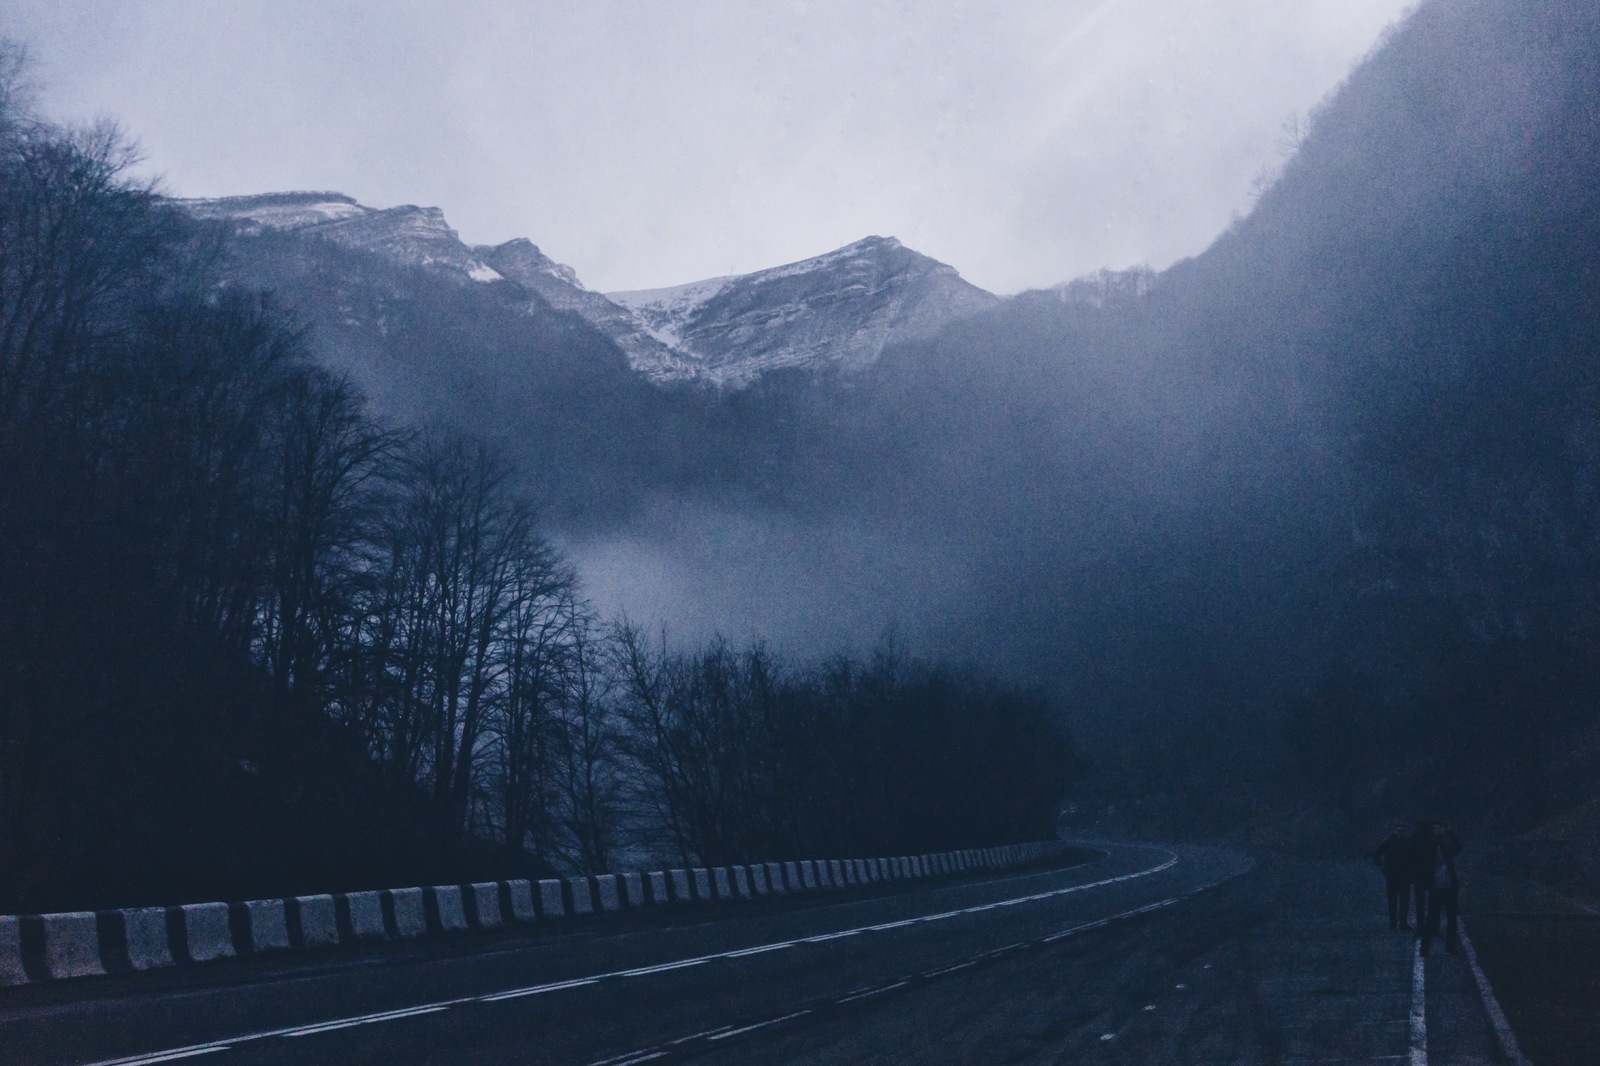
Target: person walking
column 1394, row 857
column 1450, row 893
column 1420, row 870
column 1444, row 887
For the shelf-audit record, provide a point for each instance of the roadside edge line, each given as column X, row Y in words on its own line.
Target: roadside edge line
column 1491, row 1003
column 1419, row 1010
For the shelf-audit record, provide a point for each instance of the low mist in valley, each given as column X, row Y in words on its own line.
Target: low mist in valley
column 1313, row 510
column 1314, row 513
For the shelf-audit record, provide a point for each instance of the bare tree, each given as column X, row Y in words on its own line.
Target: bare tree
column 525, row 730
column 468, row 585
column 330, row 463
column 589, row 774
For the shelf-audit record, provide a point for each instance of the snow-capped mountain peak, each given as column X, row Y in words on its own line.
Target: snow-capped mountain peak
column 840, row 309
column 525, row 260
column 417, row 236
column 836, row 310
column 279, row 211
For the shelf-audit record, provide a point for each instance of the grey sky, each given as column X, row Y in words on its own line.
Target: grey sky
column 647, row 144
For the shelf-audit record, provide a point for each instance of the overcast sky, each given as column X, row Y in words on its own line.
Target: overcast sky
column 652, row 143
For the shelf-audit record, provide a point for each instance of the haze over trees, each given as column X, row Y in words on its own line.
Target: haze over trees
column 1315, row 514
column 1312, row 514
column 255, row 639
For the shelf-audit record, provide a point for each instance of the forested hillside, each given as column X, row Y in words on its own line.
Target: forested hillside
column 1314, row 511
column 1312, row 514
column 255, row 639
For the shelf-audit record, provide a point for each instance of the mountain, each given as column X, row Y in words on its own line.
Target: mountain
column 1319, row 504
column 521, row 261
column 1313, row 511
column 839, row 310
column 415, row 236
column 394, row 301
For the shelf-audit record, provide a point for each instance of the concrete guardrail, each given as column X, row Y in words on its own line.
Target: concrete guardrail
column 50, row 947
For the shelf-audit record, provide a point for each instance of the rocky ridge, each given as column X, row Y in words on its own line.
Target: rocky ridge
column 838, row 310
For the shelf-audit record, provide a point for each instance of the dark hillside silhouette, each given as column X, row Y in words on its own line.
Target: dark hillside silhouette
column 1312, row 510
column 1312, row 513
column 1319, row 507
column 256, row 640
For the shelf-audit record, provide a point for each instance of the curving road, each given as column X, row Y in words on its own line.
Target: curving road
column 960, row 971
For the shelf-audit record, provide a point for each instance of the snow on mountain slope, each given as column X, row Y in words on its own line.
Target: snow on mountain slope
column 293, row 210
column 416, row 236
column 838, row 310
column 664, row 311
column 521, row 261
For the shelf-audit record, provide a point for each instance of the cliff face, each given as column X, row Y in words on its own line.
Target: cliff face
column 413, row 236
column 521, row 261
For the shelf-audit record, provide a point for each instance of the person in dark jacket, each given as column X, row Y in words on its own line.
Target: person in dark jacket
column 1444, row 886
column 1420, row 869
column 1394, row 857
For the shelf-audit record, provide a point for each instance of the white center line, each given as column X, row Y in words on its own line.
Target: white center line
column 663, row 967
column 518, row 993
column 757, row 1025
column 877, row 990
column 758, row 950
column 328, row 1027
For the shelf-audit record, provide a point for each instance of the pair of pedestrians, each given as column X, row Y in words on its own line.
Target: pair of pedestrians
column 1422, row 866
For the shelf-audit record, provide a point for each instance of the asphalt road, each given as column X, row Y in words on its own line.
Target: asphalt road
column 785, row 980
column 1546, row 971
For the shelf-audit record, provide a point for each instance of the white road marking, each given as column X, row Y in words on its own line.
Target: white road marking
column 758, row 1025
column 328, row 1027
column 167, row 1056
column 866, row 993
column 1497, row 1017
column 631, row 1056
column 829, row 936
column 176, row 1053
column 758, row 950
column 1099, row 923
column 1419, row 1011
column 556, row 986
column 878, row 990
column 950, row 969
column 518, row 993
column 644, row 971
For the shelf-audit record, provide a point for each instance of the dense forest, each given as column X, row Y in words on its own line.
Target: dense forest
column 255, row 638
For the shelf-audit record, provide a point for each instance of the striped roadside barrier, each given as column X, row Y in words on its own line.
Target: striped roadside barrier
column 80, row 944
